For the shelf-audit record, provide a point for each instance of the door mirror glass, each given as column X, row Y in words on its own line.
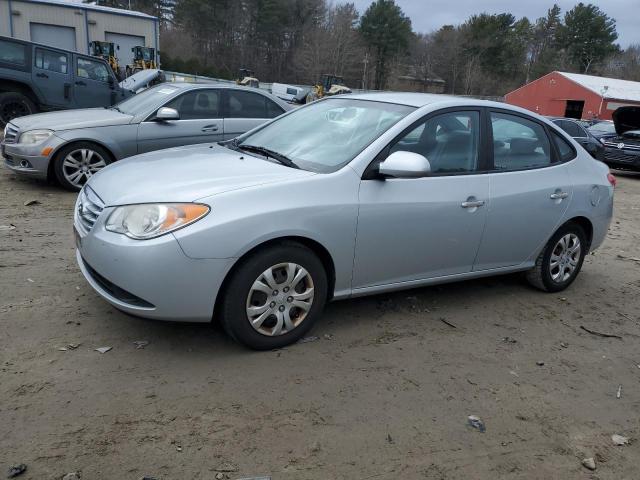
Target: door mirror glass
column 403, row 164
column 166, row 113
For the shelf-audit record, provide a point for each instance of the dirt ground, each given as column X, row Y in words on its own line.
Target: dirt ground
column 384, row 392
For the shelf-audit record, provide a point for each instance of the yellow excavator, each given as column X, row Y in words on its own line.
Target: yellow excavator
column 246, row 79
column 106, row 50
column 329, row 85
column 143, row 58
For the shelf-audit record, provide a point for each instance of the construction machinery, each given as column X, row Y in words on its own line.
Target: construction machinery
column 329, row 85
column 106, row 50
column 144, row 58
column 246, row 79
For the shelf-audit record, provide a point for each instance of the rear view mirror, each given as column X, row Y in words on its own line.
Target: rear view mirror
column 403, row 164
column 166, row 113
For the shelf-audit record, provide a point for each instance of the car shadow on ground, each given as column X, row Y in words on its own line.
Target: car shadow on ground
column 352, row 320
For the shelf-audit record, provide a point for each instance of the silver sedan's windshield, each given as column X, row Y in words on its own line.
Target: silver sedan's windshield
column 146, row 100
column 326, row 135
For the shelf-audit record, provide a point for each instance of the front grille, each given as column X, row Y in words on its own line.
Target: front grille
column 620, row 156
column 10, row 134
column 89, row 208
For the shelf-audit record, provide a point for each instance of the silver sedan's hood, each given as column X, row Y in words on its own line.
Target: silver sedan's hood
column 71, row 119
column 185, row 174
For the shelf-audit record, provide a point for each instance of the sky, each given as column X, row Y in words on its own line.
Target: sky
column 429, row 15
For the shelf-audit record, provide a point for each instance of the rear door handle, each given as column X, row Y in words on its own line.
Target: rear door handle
column 42, row 75
column 210, row 128
column 558, row 195
column 80, row 82
column 472, row 204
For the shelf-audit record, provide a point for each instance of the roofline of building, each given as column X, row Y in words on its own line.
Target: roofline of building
column 92, row 8
column 529, row 83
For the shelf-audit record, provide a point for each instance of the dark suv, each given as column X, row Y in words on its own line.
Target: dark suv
column 36, row 77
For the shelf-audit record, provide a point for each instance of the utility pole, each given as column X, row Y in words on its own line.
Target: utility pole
column 364, row 70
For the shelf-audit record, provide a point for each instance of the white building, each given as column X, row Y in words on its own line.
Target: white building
column 73, row 25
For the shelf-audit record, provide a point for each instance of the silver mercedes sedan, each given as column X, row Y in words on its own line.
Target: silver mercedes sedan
column 344, row 197
column 72, row 145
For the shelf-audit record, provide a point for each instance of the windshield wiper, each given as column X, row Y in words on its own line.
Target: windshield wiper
column 284, row 160
column 113, row 107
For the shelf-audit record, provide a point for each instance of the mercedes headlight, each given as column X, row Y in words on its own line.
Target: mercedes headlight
column 33, row 137
column 150, row 220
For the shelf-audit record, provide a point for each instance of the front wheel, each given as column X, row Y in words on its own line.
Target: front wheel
column 14, row 105
column 274, row 297
column 560, row 261
column 75, row 164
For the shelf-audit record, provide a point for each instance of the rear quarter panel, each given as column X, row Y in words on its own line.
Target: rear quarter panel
column 592, row 195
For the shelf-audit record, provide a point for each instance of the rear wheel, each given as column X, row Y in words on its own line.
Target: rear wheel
column 560, row 261
column 14, row 105
column 75, row 164
column 274, row 297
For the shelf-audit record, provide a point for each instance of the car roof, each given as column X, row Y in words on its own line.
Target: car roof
column 418, row 100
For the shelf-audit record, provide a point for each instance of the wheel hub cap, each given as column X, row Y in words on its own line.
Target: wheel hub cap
column 564, row 258
column 280, row 299
column 80, row 165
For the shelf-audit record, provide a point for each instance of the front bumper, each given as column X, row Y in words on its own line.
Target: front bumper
column 148, row 278
column 28, row 159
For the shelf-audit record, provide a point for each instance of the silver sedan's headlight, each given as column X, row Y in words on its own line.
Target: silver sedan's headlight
column 33, row 137
column 150, row 220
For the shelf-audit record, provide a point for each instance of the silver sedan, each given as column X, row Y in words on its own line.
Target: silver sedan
column 73, row 145
column 341, row 198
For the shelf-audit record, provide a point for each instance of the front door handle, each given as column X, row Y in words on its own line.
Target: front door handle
column 42, row 75
column 80, row 82
column 472, row 204
column 210, row 128
column 558, row 195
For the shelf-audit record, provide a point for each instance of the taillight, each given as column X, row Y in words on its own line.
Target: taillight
column 612, row 180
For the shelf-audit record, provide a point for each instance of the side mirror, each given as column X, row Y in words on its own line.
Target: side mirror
column 166, row 113
column 403, row 164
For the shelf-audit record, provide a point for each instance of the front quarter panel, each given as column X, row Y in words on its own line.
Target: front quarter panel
column 321, row 207
column 120, row 140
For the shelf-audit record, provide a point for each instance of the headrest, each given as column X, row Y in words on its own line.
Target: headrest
column 203, row 100
column 522, row 146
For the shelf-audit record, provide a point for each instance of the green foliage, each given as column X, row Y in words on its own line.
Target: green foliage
column 387, row 31
column 588, row 35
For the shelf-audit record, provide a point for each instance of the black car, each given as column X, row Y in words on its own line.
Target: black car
column 580, row 134
column 622, row 151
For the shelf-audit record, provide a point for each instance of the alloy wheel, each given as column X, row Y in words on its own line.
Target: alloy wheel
column 280, row 299
column 80, row 165
column 565, row 257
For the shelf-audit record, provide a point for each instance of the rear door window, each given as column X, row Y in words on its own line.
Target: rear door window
column 518, row 143
column 251, row 105
column 571, row 128
column 51, row 60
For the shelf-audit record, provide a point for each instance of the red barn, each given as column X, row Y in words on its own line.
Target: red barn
column 572, row 95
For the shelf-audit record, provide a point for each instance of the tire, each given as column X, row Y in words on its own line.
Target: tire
column 567, row 261
column 14, row 105
column 89, row 157
column 274, row 310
